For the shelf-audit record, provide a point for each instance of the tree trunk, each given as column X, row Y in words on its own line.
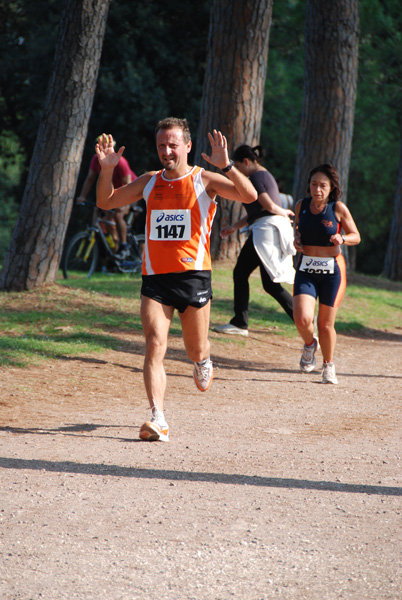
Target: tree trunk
column 330, row 81
column 233, row 93
column 393, row 257
column 35, row 250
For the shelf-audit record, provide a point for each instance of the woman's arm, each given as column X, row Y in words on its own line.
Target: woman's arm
column 229, row 229
column 297, row 237
column 266, row 202
column 88, row 183
column 352, row 235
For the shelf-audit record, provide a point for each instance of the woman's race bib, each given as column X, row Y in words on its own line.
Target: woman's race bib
column 317, row 264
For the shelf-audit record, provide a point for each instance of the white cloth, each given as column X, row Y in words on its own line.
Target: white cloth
column 287, row 201
column 273, row 242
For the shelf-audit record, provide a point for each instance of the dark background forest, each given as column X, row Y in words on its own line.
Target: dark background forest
column 152, row 66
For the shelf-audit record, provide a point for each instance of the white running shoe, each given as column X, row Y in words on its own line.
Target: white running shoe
column 307, row 361
column 231, row 329
column 328, row 373
column 156, row 429
column 203, row 375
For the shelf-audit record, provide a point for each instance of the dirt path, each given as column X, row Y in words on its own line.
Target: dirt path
column 273, row 485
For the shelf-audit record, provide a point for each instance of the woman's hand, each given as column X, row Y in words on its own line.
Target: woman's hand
column 297, row 243
column 289, row 213
column 227, row 231
column 336, row 239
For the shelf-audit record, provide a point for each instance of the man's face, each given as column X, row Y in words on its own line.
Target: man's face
column 172, row 150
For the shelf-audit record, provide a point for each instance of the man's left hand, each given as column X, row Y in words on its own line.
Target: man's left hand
column 219, row 150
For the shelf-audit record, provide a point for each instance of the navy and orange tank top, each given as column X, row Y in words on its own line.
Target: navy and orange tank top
column 315, row 230
column 180, row 214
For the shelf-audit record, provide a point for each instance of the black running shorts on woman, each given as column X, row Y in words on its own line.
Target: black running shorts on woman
column 328, row 285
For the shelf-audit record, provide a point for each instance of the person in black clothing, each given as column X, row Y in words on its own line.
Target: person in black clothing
column 269, row 245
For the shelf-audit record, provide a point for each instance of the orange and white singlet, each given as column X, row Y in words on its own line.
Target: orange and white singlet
column 179, row 220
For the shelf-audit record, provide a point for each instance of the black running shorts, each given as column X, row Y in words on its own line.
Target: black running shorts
column 190, row 288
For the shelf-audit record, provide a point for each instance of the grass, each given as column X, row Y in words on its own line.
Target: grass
column 74, row 318
column 370, row 304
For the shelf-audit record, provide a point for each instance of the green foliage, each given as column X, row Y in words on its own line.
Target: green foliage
column 11, row 165
column 284, row 91
column 376, row 142
column 153, row 65
column 26, row 54
column 378, row 117
column 28, row 33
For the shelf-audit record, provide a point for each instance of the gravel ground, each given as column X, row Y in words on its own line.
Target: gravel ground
column 272, row 486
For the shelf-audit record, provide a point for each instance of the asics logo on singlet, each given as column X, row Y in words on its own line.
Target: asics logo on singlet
column 165, row 217
column 317, row 263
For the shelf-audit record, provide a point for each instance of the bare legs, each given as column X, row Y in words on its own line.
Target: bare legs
column 195, row 326
column 121, row 225
column 326, row 331
column 303, row 312
column 156, row 319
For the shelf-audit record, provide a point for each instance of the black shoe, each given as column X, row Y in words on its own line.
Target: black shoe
column 123, row 253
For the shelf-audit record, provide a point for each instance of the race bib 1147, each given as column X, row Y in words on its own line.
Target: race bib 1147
column 170, row 225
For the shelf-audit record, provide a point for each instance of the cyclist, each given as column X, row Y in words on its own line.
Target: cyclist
column 122, row 175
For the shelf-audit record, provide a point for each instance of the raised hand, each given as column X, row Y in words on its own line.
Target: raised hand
column 219, row 150
column 107, row 157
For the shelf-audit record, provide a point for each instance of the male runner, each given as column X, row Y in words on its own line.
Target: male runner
column 177, row 263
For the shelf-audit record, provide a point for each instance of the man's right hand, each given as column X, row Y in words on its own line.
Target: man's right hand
column 108, row 158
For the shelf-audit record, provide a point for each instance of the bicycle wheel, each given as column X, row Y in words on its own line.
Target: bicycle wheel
column 81, row 258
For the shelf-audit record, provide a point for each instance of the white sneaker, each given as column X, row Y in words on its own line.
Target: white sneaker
column 328, row 373
column 156, row 429
column 307, row 361
column 231, row 329
column 203, row 375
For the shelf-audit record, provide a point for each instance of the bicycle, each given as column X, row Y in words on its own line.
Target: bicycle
column 83, row 253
